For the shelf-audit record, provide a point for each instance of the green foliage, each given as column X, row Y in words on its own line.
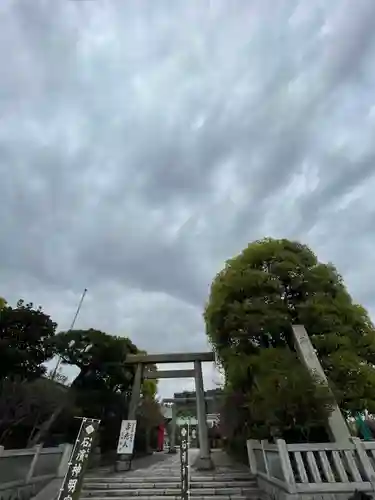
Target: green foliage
column 33, row 407
column 103, row 387
column 24, row 335
column 186, row 410
column 149, row 388
column 254, row 301
column 149, row 412
column 100, row 357
column 285, row 399
column 104, row 380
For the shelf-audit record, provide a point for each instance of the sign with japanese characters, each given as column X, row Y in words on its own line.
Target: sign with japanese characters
column 126, row 439
column 72, row 484
column 184, row 461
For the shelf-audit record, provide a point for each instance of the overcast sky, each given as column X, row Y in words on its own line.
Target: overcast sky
column 142, row 143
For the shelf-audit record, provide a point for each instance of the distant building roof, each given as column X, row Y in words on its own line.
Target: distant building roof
column 192, row 394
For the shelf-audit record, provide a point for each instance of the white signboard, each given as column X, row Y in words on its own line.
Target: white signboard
column 213, row 417
column 167, row 411
column 126, row 439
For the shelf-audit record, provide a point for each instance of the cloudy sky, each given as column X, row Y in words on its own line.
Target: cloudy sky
column 142, row 143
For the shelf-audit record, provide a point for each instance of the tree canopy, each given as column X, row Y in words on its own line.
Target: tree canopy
column 36, row 405
column 100, row 357
column 103, row 386
column 25, row 332
column 254, row 301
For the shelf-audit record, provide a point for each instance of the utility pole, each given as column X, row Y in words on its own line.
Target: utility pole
column 44, row 428
column 71, row 328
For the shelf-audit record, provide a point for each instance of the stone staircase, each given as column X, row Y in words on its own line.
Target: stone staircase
column 162, row 482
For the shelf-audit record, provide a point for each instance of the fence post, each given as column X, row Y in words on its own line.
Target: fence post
column 286, row 466
column 64, row 461
column 251, row 455
column 264, row 441
column 34, row 461
column 364, row 460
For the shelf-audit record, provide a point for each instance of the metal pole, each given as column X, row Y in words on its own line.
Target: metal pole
column 188, row 455
column 71, row 328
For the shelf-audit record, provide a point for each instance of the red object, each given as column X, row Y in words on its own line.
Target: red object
column 161, row 430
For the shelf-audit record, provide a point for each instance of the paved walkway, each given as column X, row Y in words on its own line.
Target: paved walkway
column 224, row 463
column 161, row 464
column 137, row 464
column 169, row 464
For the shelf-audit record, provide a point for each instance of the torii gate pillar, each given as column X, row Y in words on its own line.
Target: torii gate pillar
column 204, row 462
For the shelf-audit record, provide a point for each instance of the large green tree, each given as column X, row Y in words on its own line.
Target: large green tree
column 100, row 358
column 25, row 332
column 254, row 301
column 102, row 389
column 103, row 385
column 102, row 362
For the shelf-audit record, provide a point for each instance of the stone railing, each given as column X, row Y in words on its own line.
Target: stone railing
column 23, row 473
column 313, row 470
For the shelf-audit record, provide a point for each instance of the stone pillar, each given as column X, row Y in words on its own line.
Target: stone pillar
column 172, row 437
column 204, row 461
column 136, row 392
column 337, row 427
column 124, row 461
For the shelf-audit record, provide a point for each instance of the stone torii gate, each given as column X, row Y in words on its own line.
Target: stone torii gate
column 141, row 361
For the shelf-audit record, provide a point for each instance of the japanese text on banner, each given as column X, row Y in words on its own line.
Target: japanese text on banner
column 72, row 483
column 127, row 436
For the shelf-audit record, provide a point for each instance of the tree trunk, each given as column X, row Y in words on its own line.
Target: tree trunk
column 46, row 426
column 35, row 426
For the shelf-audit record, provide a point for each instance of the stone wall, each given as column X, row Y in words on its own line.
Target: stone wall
column 23, row 491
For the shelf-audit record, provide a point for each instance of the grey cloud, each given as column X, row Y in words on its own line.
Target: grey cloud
column 344, row 177
column 346, row 54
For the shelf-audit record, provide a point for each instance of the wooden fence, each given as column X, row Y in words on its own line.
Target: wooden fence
column 313, row 470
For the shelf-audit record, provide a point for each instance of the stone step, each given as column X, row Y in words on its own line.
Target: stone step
column 255, row 496
column 166, row 485
column 171, row 492
column 175, row 470
column 172, row 478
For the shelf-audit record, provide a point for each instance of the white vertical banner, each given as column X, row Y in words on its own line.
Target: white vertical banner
column 184, row 461
column 126, row 438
